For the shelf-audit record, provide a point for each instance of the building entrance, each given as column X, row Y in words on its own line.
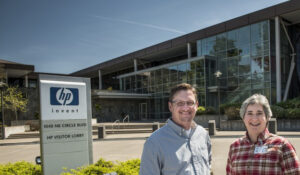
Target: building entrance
column 143, row 111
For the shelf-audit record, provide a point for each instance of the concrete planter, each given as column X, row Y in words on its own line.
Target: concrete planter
column 33, row 124
column 288, row 125
column 238, row 125
column 232, row 125
column 15, row 129
column 203, row 119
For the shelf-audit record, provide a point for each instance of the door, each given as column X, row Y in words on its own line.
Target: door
column 143, row 111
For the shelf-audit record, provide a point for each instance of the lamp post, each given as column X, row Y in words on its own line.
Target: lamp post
column 218, row 74
column 2, row 86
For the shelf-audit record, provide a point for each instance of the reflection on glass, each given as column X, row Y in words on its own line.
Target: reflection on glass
column 257, row 49
column 244, row 36
column 210, row 43
column 220, row 42
column 158, row 77
column 266, row 64
column 244, row 65
column 199, row 48
column 232, row 38
column 244, row 49
column 256, row 65
column 232, row 82
column 232, row 66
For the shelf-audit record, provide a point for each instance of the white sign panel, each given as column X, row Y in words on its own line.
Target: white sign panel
column 63, row 100
column 66, row 139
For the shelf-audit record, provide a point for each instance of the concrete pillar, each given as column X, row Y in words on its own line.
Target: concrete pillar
column 212, row 127
column 6, row 77
column 135, row 65
column 155, row 126
column 101, row 132
column 273, row 125
column 278, row 62
column 100, row 79
column 26, row 81
column 189, row 50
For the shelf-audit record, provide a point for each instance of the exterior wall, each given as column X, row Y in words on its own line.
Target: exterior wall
column 116, row 109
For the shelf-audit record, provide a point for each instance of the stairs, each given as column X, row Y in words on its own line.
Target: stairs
column 24, row 135
column 124, row 128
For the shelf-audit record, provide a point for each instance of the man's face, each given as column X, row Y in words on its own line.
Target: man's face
column 255, row 119
column 183, row 108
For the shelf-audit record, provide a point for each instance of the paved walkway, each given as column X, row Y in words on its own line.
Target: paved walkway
column 128, row 146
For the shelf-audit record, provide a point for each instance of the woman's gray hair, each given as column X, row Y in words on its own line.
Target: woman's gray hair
column 256, row 99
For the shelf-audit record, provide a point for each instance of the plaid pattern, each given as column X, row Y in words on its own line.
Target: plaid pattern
column 280, row 158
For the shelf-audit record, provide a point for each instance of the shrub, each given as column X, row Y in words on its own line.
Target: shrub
column 293, row 113
column 278, row 112
column 130, row 167
column 224, row 106
column 232, row 112
column 210, row 110
column 200, row 110
column 20, row 168
column 292, row 103
column 290, row 109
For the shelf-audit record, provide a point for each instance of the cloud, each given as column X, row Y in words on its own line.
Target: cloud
column 141, row 24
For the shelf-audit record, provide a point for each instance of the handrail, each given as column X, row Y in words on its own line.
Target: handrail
column 126, row 117
column 114, row 123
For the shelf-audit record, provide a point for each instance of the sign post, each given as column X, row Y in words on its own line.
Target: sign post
column 66, row 138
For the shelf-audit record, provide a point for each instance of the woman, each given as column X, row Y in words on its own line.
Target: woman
column 260, row 152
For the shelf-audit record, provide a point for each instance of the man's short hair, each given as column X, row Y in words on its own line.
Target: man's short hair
column 182, row 87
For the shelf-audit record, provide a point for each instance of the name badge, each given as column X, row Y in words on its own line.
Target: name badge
column 260, row 149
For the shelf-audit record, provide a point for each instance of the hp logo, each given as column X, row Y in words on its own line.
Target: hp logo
column 64, row 96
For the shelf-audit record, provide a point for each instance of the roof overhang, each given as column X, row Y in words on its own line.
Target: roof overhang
column 105, row 94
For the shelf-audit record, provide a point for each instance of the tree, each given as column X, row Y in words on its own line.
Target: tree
column 14, row 100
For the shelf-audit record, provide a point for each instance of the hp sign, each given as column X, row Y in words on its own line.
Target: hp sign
column 64, row 96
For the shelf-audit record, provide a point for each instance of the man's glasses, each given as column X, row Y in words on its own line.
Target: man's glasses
column 182, row 103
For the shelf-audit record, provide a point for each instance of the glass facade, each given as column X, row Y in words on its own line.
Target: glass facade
column 241, row 55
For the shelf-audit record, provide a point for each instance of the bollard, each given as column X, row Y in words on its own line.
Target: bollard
column 273, row 126
column 101, row 132
column 155, row 126
column 211, row 127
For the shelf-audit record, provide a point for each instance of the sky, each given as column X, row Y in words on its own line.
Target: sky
column 65, row 36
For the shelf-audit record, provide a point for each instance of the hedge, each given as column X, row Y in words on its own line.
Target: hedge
column 289, row 109
column 201, row 110
column 232, row 110
column 20, row 168
column 130, row 167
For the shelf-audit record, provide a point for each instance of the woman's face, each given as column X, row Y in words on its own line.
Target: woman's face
column 255, row 119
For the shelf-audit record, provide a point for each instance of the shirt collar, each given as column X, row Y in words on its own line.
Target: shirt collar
column 179, row 130
column 261, row 137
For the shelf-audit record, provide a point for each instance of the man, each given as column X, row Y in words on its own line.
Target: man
column 181, row 146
